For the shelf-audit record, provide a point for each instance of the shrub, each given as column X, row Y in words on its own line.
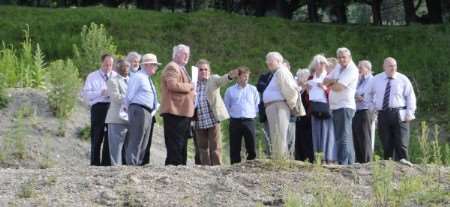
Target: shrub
column 3, row 97
column 8, row 66
column 13, row 146
column 64, row 87
column 430, row 149
column 94, row 42
column 85, row 133
column 26, row 69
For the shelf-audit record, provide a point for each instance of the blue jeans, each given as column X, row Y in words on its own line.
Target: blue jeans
column 342, row 119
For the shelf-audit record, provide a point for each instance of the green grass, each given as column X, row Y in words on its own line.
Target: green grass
column 229, row 40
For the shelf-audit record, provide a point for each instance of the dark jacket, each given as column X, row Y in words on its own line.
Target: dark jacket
column 262, row 84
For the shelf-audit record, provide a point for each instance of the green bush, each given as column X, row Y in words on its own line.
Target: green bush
column 3, row 97
column 94, row 42
column 64, row 87
column 23, row 68
column 85, row 133
column 8, row 66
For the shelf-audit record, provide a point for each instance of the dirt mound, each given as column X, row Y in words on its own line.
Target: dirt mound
column 260, row 183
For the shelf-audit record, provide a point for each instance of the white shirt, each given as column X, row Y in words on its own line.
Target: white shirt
column 242, row 102
column 401, row 93
column 349, row 79
column 94, row 85
column 273, row 91
column 317, row 93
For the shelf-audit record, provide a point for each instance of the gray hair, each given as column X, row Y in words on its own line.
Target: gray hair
column 275, row 55
column 121, row 64
column 318, row 59
column 303, row 74
column 133, row 55
column 179, row 48
column 366, row 64
column 343, row 50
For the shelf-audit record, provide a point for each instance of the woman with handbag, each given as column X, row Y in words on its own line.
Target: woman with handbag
column 321, row 121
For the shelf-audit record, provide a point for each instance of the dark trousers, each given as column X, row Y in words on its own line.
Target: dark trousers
column 197, row 151
column 147, row 150
column 361, row 136
column 176, row 133
column 303, row 140
column 394, row 134
column 242, row 128
column 99, row 135
column 342, row 120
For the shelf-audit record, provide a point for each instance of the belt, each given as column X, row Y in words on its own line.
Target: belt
column 145, row 107
column 242, row 119
column 101, row 103
column 392, row 109
column 273, row 102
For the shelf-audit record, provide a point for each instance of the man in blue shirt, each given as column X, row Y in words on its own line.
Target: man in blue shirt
column 242, row 101
column 141, row 100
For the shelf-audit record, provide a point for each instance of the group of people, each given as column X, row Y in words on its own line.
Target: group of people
column 330, row 109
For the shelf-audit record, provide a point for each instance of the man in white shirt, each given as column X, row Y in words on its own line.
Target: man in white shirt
column 392, row 94
column 279, row 97
column 95, row 93
column 343, row 81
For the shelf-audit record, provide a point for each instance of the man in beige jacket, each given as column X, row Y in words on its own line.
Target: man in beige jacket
column 177, row 105
column 279, row 98
column 117, row 127
column 210, row 111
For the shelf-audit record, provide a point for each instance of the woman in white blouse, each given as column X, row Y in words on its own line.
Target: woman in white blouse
column 322, row 126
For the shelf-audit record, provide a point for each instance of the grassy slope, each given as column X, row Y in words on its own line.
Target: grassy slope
column 231, row 40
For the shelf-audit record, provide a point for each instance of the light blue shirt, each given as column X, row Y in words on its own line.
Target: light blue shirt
column 141, row 90
column 242, row 102
column 361, row 89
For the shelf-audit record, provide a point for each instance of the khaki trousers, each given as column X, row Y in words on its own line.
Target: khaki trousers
column 278, row 115
column 209, row 145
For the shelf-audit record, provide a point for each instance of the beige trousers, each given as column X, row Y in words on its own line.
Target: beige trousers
column 278, row 115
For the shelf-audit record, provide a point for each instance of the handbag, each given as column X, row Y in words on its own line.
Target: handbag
column 320, row 110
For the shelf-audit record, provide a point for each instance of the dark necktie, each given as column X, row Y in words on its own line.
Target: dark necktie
column 361, row 81
column 387, row 94
column 154, row 94
column 105, row 77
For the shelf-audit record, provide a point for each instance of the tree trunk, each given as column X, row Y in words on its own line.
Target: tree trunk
column 410, row 11
column 341, row 12
column 313, row 15
column 140, row 4
column 188, row 5
column 173, row 5
column 293, row 6
column 434, row 8
column 260, row 7
column 282, row 8
column 376, row 12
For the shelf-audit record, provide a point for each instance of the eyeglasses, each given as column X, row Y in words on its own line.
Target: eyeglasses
column 203, row 69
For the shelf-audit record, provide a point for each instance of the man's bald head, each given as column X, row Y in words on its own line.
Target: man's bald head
column 390, row 66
